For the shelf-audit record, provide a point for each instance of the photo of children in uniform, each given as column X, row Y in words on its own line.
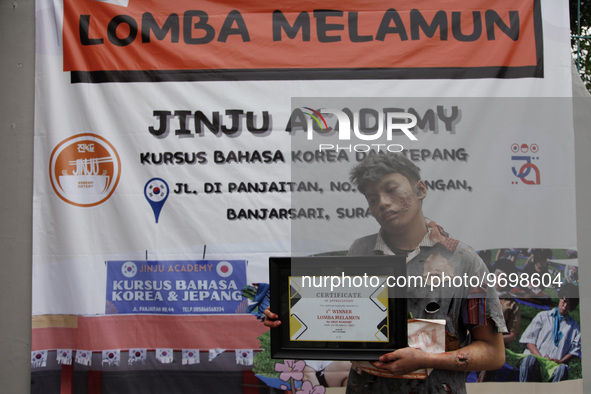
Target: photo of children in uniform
column 553, row 336
column 544, row 339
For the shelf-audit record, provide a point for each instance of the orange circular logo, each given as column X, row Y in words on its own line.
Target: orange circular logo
column 84, row 170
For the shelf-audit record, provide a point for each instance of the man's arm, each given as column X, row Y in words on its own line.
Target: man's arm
column 566, row 359
column 534, row 349
column 487, row 352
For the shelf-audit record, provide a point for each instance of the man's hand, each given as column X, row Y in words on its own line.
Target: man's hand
column 271, row 319
column 487, row 352
column 403, row 361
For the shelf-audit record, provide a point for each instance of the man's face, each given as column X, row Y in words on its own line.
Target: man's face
column 541, row 265
column 498, row 274
column 394, row 202
column 563, row 306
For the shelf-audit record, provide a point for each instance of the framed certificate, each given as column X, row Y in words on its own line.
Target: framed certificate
column 337, row 307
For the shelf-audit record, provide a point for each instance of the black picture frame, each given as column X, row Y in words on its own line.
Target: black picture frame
column 282, row 268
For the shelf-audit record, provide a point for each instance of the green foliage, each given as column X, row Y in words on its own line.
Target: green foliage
column 263, row 363
column 580, row 25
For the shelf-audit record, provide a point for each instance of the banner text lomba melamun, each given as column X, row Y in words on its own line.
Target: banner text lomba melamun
column 184, row 41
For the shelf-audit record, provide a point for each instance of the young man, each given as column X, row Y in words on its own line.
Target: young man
column 392, row 187
column 553, row 335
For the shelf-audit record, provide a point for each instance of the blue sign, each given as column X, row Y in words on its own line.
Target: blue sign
column 176, row 287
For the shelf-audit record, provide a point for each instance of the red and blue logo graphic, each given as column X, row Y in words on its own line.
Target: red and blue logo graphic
column 528, row 173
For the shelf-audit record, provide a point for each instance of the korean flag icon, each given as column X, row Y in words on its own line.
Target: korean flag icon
column 156, row 192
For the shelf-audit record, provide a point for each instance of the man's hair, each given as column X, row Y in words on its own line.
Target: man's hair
column 505, row 265
column 376, row 165
column 542, row 255
column 571, row 293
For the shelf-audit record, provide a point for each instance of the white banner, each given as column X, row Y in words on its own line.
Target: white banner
column 173, row 140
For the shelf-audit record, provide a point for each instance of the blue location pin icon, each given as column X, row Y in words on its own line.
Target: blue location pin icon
column 156, row 192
